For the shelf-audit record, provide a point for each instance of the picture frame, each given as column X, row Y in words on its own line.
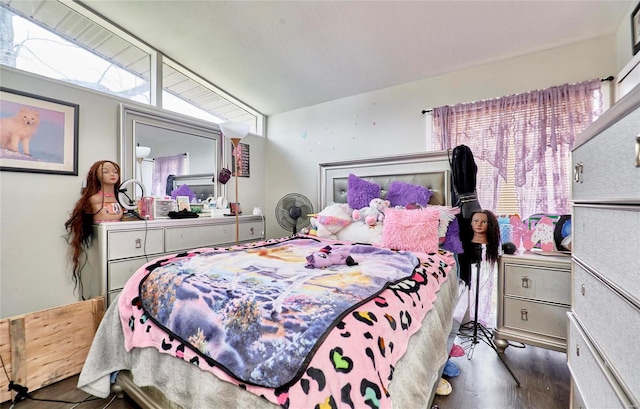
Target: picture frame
column 38, row 134
column 635, row 29
column 235, row 207
column 183, row 203
column 240, row 158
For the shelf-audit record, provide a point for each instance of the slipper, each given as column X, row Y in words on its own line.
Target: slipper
column 444, row 387
column 451, row 369
column 456, row 350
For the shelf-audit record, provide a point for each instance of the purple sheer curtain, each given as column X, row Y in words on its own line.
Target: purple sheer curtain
column 539, row 126
column 165, row 166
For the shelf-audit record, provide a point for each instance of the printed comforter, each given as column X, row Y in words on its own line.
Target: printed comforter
column 257, row 317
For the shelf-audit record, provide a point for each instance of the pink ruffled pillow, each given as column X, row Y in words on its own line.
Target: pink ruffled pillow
column 411, row 230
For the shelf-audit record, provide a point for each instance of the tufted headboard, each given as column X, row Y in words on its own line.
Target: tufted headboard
column 430, row 169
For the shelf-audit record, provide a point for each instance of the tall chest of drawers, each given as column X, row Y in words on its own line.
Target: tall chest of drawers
column 119, row 249
column 603, row 347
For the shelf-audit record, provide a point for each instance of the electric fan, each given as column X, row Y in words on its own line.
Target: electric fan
column 292, row 212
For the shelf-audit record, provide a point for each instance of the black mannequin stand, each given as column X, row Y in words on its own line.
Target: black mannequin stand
column 473, row 331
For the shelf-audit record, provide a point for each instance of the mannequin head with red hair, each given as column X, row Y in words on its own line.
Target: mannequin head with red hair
column 102, row 184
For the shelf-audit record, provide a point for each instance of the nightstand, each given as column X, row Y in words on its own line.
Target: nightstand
column 534, row 296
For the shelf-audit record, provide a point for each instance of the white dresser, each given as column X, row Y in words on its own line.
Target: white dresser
column 534, row 296
column 119, row 249
column 603, row 348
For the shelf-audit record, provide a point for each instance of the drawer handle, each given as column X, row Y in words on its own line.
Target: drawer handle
column 524, row 314
column 577, row 350
column 138, row 243
column 583, row 289
column 525, row 282
column 638, row 151
column 577, row 171
column 251, row 231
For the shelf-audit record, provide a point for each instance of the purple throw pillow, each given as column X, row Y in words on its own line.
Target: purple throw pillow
column 183, row 190
column 401, row 194
column 452, row 239
column 360, row 192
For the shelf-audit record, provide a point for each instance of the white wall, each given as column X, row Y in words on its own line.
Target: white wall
column 624, row 49
column 34, row 271
column 389, row 121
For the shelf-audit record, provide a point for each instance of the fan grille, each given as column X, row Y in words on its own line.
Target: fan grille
column 290, row 206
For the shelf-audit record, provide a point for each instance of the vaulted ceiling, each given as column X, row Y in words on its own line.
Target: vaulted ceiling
column 278, row 56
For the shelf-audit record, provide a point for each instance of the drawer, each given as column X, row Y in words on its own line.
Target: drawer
column 162, row 207
column 112, row 296
column 612, row 324
column 595, row 386
column 120, row 271
column 540, row 318
column 618, row 227
column 192, row 237
column 608, row 169
column 250, row 231
column 538, row 283
column 134, row 243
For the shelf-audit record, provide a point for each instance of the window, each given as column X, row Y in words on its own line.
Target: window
column 45, row 36
column 183, row 91
column 522, row 144
column 53, row 40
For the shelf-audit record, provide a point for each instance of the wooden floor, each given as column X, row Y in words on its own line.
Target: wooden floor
column 66, row 391
column 484, row 382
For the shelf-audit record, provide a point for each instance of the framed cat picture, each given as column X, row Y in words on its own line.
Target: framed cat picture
column 37, row 134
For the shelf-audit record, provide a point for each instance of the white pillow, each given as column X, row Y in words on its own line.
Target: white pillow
column 361, row 233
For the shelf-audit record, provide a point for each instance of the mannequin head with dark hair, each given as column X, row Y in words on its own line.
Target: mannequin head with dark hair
column 486, row 230
column 98, row 203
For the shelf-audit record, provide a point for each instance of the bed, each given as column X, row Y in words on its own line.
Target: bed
column 422, row 302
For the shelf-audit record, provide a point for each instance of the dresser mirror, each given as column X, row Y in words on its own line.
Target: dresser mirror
column 154, row 140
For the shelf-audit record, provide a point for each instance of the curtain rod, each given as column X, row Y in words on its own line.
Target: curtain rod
column 609, row 78
column 184, row 154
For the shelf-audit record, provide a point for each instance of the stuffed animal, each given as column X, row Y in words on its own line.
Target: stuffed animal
column 373, row 213
column 332, row 219
column 312, row 229
column 327, row 256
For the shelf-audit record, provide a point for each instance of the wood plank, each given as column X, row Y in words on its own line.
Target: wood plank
column 18, row 361
column 47, row 346
column 67, row 390
column 58, row 341
column 5, row 353
column 484, row 382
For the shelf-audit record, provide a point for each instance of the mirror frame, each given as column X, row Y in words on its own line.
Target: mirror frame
column 131, row 115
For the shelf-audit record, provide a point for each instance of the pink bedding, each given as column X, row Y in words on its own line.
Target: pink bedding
column 353, row 365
